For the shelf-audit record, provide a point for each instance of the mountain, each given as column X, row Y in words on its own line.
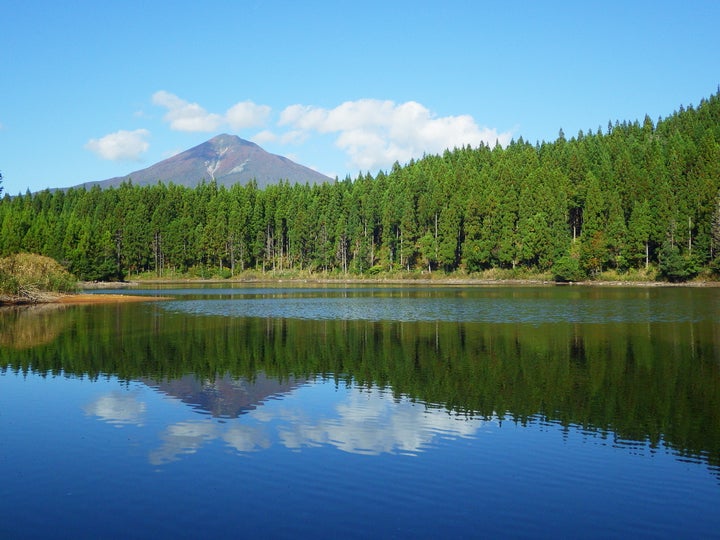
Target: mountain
column 228, row 160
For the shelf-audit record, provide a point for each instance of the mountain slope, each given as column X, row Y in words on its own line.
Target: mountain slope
column 228, row 160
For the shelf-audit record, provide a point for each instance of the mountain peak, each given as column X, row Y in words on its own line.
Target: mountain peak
column 225, row 139
column 226, row 159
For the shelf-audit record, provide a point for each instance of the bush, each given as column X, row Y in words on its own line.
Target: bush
column 26, row 275
column 567, row 269
column 375, row 270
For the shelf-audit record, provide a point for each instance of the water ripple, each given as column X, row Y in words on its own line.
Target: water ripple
column 449, row 309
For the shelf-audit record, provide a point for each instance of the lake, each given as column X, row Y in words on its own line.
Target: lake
column 286, row 411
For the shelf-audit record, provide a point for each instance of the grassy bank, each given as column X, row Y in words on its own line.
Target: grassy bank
column 369, row 277
column 31, row 279
column 643, row 277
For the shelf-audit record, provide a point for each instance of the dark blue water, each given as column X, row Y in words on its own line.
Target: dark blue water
column 389, row 413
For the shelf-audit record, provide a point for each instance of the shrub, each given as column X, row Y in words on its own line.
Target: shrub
column 27, row 276
column 374, row 270
column 567, row 269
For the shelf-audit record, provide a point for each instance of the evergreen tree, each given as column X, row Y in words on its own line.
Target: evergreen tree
column 639, row 231
column 715, row 227
column 592, row 251
column 615, row 232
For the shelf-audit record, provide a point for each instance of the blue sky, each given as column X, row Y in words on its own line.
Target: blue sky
column 92, row 90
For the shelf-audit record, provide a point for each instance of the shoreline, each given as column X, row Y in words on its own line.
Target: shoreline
column 465, row 281
column 78, row 299
column 110, row 298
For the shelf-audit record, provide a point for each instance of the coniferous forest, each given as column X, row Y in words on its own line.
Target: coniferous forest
column 632, row 195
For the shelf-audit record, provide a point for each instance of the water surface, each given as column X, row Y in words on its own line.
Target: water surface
column 364, row 412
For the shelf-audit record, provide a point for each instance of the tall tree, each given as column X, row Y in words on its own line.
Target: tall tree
column 592, row 248
column 715, row 228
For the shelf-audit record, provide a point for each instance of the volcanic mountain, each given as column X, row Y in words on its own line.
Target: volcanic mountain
column 228, row 160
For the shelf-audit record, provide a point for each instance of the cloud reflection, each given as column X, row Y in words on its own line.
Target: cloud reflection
column 247, row 438
column 365, row 421
column 118, row 409
column 374, row 422
column 184, row 438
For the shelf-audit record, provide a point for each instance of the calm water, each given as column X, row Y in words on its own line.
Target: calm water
column 364, row 412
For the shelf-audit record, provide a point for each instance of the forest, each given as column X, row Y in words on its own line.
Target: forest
column 633, row 197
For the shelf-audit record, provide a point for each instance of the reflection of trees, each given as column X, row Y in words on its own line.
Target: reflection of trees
column 23, row 327
column 658, row 383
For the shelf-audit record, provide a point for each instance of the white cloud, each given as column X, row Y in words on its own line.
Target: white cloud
column 185, row 116
column 372, row 133
column 247, row 114
column 376, row 133
column 121, row 145
column 264, row 136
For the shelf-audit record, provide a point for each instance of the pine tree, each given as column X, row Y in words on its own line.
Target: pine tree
column 592, row 248
column 615, row 232
column 715, row 228
column 639, row 231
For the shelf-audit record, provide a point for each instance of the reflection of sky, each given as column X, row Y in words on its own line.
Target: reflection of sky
column 118, row 409
column 355, row 420
column 373, row 422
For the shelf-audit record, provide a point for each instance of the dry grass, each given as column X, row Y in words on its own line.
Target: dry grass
column 32, row 279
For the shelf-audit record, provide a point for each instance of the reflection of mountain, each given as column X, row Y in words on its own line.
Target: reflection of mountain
column 225, row 396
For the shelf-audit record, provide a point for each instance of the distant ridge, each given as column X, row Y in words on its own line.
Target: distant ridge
column 227, row 159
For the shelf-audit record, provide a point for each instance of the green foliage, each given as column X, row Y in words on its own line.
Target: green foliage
column 568, row 269
column 715, row 266
column 619, row 196
column 674, row 266
column 375, row 270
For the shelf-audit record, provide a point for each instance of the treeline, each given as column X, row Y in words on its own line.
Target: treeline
column 631, row 196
